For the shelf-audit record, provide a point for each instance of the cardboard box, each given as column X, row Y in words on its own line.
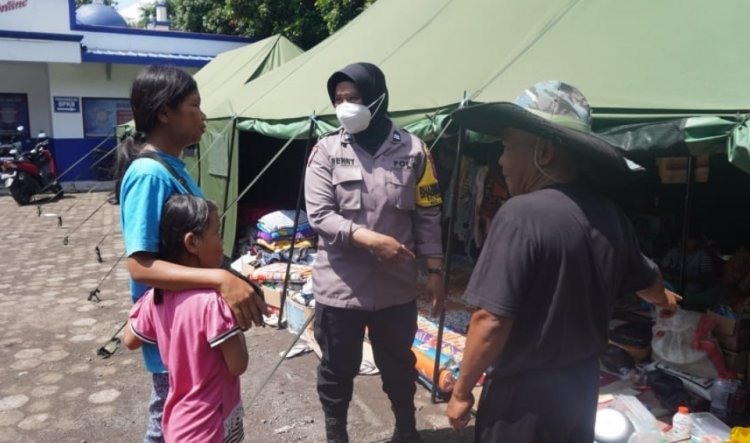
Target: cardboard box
column 732, row 334
column 272, row 296
column 296, row 314
column 242, row 266
column 736, row 361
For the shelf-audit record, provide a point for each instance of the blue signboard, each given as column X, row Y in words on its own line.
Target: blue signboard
column 67, row 104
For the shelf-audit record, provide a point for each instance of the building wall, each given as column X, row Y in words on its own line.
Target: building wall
column 48, row 64
column 87, row 80
column 31, row 79
column 37, row 16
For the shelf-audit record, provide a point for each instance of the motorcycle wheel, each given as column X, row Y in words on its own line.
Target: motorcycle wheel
column 57, row 191
column 23, row 188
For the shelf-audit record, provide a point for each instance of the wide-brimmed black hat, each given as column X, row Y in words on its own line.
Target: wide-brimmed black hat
column 557, row 112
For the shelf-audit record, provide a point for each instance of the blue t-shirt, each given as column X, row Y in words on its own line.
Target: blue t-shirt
column 146, row 186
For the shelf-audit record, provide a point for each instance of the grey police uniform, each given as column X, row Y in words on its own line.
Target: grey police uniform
column 392, row 192
column 346, row 188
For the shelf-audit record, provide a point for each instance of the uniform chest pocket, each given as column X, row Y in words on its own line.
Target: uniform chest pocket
column 347, row 184
column 400, row 189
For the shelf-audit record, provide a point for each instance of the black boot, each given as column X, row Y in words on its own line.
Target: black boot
column 406, row 427
column 336, row 429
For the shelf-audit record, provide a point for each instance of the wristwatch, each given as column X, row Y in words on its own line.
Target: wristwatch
column 438, row 271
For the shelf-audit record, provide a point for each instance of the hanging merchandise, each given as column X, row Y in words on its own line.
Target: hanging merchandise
column 481, row 192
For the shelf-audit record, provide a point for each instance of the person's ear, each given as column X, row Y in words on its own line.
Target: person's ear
column 163, row 115
column 546, row 152
column 190, row 242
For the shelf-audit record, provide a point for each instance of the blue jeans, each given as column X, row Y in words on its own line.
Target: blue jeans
column 156, row 408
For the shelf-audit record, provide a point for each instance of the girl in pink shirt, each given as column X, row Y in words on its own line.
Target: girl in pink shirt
column 199, row 340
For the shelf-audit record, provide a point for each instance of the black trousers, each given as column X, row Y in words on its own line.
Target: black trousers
column 340, row 333
column 541, row 406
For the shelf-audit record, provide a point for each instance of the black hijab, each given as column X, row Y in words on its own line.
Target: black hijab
column 370, row 82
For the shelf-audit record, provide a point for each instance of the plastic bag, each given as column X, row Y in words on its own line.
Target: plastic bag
column 673, row 343
column 668, row 389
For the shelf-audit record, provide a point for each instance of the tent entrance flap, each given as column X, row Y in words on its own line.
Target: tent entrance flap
column 267, row 179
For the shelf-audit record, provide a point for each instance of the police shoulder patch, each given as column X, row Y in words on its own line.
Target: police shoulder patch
column 428, row 189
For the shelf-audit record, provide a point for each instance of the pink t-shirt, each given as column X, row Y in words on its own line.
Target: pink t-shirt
column 204, row 397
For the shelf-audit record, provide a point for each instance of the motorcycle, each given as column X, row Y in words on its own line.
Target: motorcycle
column 30, row 173
column 9, row 142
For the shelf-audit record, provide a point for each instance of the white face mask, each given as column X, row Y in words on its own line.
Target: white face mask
column 354, row 117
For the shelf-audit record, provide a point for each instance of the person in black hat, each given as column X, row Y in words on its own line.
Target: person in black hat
column 555, row 258
column 372, row 197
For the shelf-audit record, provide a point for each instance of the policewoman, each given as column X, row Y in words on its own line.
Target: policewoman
column 373, row 199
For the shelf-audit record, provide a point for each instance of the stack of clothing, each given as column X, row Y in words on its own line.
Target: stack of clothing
column 275, row 231
column 275, row 273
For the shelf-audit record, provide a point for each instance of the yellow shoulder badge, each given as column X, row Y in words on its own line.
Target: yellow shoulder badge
column 428, row 190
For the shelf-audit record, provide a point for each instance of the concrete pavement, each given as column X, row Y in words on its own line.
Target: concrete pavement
column 55, row 388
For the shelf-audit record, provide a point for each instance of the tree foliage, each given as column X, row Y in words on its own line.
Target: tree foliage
column 337, row 13
column 145, row 12
column 305, row 22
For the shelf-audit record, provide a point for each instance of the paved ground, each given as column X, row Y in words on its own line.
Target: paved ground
column 54, row 387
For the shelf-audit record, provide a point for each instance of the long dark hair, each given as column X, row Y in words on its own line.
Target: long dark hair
column 154, row 87
column 182, row 214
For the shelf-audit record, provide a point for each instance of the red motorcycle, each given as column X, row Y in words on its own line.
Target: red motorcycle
column 31, row 173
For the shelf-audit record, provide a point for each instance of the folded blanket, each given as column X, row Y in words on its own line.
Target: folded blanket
column 279, row 246
column 276, row 271
column 282, row 219
column 285, row 234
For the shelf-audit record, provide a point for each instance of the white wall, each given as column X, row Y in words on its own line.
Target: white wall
column 31, row 79
column 86, row 80
column 37, row 16
column 31, row 50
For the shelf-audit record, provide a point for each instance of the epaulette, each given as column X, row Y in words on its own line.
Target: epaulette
column 330, row 133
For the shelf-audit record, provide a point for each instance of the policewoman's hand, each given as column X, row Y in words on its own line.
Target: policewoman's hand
column 436, row 291
column 388, row 249
column 384, row 247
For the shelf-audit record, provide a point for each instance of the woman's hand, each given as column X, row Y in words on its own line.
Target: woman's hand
column 388, row 249
column 247, row 306
column 384, row 247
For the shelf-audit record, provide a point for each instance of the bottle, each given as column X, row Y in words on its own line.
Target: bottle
column 722, row 397
column 682, row 424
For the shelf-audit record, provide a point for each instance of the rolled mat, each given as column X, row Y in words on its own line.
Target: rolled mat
column 425, row 367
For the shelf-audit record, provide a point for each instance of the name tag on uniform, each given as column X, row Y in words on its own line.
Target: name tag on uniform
column 342, row 161
column 407, row 163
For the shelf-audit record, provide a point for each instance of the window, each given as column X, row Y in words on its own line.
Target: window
column 101, row 115
column 14, row 112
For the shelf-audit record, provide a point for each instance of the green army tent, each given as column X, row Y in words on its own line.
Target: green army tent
column 230, row 70
column 635, row 61
column 220, row 79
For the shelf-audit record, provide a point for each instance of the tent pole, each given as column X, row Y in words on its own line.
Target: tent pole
column 229, row 174
column 300, row 197
column 686, row 224
column 448, row 252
